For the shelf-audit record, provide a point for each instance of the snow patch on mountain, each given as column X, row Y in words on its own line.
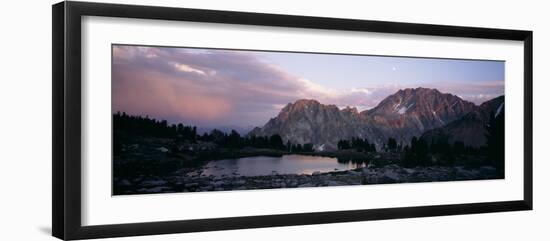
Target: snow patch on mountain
column 437, row 117
column 404, row 109
column 397, row 104
column 499, row 109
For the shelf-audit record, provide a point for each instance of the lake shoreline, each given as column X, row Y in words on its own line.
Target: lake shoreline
column 195, row 181
column 149, row 166
column 253, row 152
column 271, row 165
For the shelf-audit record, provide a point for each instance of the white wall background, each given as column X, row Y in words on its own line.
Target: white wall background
column 25, row 124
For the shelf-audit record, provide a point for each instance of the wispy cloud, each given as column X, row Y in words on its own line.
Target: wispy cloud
column 188, row 69
column 474, row 92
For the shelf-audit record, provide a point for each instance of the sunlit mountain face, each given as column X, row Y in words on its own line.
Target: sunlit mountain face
column 403, row 115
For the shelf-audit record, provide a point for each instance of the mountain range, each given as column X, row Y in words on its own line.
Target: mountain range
column 421, row 112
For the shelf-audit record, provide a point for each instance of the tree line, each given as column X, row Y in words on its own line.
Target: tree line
column 419, row 152
column 359, row 144
column 145, row 126
column 150, row 127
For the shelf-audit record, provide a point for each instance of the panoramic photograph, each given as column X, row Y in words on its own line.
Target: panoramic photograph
column 201, row 119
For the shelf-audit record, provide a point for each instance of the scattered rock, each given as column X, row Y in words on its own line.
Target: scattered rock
column 207, row 188
column 155, row 189
column 163, row 149
column 192, row 184
column 124, row 183
column 150, row 183
column 293, row 184
column 335, row 183
column 194, row 181
column 355, row 173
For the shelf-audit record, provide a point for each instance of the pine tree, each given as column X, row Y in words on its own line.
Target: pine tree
column 495, row 139
column 392, row 144
column 276, row 142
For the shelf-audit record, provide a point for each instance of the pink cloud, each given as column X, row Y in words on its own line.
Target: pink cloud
column 154, row 94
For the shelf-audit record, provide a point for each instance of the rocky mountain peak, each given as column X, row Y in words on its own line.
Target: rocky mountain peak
column 402, row 115
column 306, row 102
column 422, row 107
column 305, row 107
column 407, row 100
column 350, row 110
column 301, row 104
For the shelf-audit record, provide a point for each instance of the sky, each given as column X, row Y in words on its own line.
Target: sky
column 214, row 88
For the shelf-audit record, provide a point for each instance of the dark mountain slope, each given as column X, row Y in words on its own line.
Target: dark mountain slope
column 471, row 128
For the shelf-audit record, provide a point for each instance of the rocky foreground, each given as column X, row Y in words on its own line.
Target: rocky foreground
column 194, row 181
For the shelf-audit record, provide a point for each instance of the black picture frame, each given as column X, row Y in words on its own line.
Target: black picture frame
column 66, row 76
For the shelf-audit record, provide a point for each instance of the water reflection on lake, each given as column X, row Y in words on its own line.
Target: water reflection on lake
column 286, row 164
